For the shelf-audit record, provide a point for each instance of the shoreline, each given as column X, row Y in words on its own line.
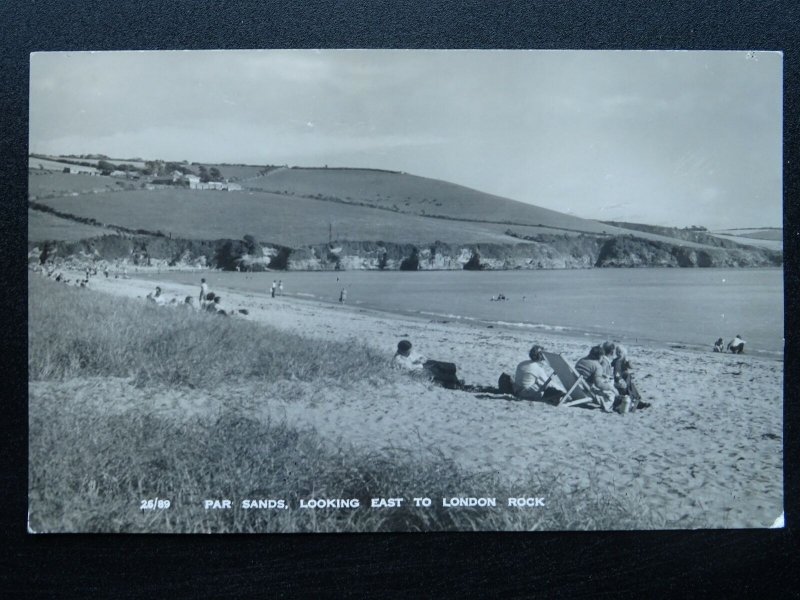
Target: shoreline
column 509, row 327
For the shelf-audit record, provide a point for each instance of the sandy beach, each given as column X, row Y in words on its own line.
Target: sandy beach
column 707, row 453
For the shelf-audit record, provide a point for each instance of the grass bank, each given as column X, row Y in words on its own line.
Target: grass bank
column 76, row 332
column 89, row 471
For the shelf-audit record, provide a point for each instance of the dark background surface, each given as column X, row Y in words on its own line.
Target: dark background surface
column 553, row 564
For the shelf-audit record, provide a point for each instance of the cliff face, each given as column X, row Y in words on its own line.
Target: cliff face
column 628, row 251
column 552, row 252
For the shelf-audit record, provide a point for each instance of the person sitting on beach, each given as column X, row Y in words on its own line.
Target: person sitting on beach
column 157, row 297
column 623, row 379
column 591, row 370
column 188, row 302
column 214, row 305
column 736, row 345
column 609, row 350
column 535, row 380
column 719, row 345
column 442, row 373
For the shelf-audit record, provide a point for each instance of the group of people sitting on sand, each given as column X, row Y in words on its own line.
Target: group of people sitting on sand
column 605, row 369
column 735, row 346
column 208, row 301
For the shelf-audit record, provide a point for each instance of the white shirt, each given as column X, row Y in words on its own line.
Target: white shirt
column 532, row 375
column 412, row 362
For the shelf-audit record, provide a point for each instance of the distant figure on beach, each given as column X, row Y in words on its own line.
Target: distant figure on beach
column 342, row 296
column 535, row 380
column 273, row 288
column 591, row 370
column 499, row 297
column 609, row 350
column 105, row 272
column 214, row 305
column 623, row 379
column 203, row 290
column 719, row 345
column 736, row 345
column 280, row 287
column 157, row 297
column 442, row 373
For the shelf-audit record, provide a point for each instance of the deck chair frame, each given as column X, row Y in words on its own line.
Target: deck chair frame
column 562, row 369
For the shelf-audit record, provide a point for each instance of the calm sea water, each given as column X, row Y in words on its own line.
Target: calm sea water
column 690, row 307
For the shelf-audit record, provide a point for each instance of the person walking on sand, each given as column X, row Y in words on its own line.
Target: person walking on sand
column 736, row 345
column 273, row 288
column 342, row 296
column 203, row 290
column 535, row 380
column 280, row 287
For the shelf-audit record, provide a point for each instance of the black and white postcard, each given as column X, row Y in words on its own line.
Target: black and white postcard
column 405, row 290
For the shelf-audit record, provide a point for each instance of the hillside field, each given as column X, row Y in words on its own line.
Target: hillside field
column 43, row 227
column 296, row 207
column 209, row 215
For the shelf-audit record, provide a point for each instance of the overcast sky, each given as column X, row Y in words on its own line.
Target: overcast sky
column 666, row 138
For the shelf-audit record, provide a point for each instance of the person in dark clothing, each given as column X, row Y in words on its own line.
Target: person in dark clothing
column 623, row 379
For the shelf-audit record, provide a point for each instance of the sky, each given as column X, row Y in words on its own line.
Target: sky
column 665, row 138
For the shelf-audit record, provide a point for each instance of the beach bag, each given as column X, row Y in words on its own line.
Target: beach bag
column 505, row 384
column 443, row 373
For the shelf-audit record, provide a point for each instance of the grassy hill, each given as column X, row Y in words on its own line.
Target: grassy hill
column 409, row 194
column 304, row 208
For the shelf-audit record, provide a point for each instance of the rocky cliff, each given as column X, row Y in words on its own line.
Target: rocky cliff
column 545, row 252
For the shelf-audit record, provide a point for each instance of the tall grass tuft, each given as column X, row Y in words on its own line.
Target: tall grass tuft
column 90, row 471
column 77, row 332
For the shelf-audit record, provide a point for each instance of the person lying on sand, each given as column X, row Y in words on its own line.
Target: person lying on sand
column 592, row 371
column 535, row 380
column 404, row 358
column 442, row 373
column 623, row 379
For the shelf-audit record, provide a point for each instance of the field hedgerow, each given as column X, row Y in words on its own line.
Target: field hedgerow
column 77, row 332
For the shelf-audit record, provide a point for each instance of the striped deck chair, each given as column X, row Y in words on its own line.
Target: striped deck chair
column 578, row 390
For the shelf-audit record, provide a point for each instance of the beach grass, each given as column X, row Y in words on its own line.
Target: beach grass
column 89, row 471
column 91, row 464
column 75, row 332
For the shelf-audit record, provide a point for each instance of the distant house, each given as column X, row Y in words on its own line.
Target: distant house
column 234, row 187
column 193, row 181
column 118, row 173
